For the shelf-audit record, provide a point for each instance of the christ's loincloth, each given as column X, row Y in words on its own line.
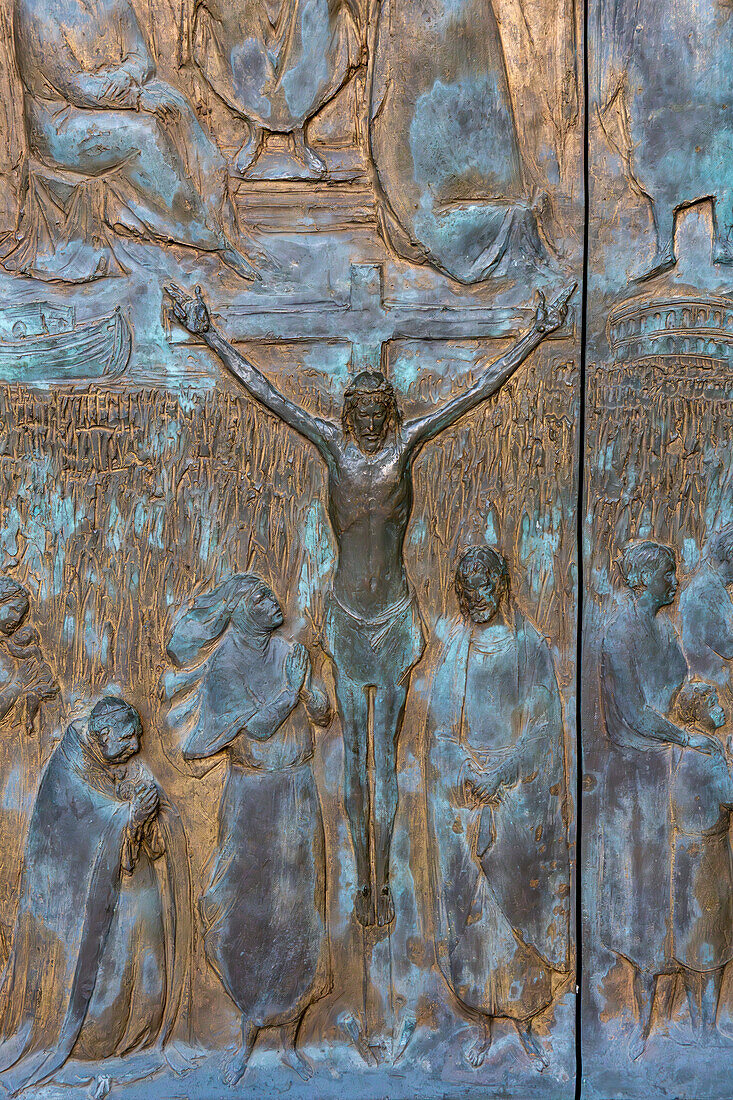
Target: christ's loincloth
column 376, row 650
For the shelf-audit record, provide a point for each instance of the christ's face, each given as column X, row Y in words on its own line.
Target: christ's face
column 12, row 614
column 120, row 740
column 370, row 418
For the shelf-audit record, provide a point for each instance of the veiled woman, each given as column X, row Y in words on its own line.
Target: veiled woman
column 642, row 670
column 496, row 806
column 246, row 693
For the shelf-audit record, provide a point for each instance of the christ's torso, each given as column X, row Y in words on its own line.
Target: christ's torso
column 369, row 505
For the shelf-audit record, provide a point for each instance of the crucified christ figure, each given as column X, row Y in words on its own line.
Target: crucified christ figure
column 372, row 628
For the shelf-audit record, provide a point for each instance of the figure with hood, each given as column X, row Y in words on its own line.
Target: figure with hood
column 100, row 955
column 245, row 695
column 496, row 796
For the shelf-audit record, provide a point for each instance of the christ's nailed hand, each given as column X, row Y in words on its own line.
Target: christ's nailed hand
column 548, row 318
column 192, row 313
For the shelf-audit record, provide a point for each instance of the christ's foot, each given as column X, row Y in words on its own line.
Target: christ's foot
column 385, row 906
column 296, row 1061
column 363, row 909
column 237, row 1064
column 532, row 1046
column 477, row 1047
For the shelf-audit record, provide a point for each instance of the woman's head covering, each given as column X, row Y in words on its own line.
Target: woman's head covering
column 206, row 618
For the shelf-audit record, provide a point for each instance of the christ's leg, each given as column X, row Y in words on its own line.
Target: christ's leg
column 693, row 991
column 389, row 711
column 531, row 1044
column 314, row 164
column 352, row 705
column 712, row 982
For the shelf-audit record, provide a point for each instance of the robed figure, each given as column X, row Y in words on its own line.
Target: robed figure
column 702, row 869
column 449, row 178
column 245, row 696
column 101, row 949
column 110, row 148
column 664, row 102
column 275, row 63
column 706, row 615
column 642, row 670
column 28, row 690
column 496, row 805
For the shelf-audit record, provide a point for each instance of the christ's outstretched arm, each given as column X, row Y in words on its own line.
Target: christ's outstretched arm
column 547, row 319
column 193, row 314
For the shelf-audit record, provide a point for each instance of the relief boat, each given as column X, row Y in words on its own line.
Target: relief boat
column 40, row 342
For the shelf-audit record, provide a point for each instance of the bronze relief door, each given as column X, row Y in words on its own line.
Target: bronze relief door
column 292, row 408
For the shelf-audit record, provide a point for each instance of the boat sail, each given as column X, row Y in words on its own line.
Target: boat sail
column 40, row 342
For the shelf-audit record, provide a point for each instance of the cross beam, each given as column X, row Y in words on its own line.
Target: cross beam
column 365, row 318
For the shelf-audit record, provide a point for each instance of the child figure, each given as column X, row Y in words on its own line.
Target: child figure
column 702, row 863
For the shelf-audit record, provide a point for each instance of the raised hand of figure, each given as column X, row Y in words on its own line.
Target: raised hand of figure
column 297, row 667
column 548, row 318
column 191, row 312
column 145, row 803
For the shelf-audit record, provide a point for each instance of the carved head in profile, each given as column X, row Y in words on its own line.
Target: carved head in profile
column 116, row 728
column 719, row 551
column 698, row 704
column 14, row 606
column 370, row 411
column 482, row 583
column 243, row 601
column 649, row 568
